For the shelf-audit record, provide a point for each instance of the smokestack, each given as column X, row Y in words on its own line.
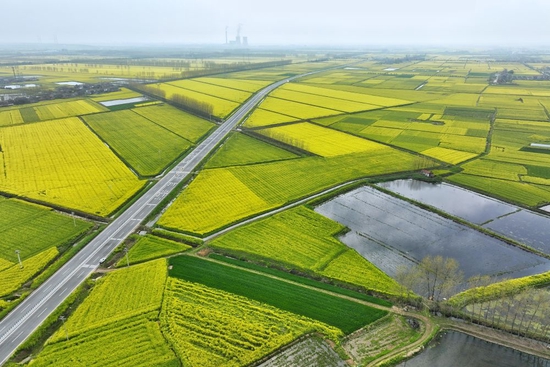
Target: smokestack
column 238, row 38
column 226, row 27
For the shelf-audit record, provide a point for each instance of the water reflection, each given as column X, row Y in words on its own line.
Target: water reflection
column 388, row 231
column 455, row 349
column 524, row 226
column 459, row 202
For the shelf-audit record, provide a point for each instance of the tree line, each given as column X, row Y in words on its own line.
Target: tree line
column 519, row 310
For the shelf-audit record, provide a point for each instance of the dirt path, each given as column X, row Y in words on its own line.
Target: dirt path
column 529, row 346
column 429, row 326
column 410, row 349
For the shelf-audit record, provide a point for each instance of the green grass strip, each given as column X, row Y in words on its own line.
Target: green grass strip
column 341, row 313
column 302, row 280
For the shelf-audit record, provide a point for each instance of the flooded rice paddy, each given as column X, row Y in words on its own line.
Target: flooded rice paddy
column 389, row 231
column 527, row 227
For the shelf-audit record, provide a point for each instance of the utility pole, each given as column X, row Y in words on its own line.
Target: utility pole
column 74, row 220
column 127, row 259
column 63, row 318
column 19, row 258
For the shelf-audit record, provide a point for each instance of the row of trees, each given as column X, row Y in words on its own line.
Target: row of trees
column 195, row 106
column 201, row 108
column 522, row 311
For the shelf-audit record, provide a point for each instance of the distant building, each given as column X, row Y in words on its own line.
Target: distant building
column 245, row 41
column 427, row 173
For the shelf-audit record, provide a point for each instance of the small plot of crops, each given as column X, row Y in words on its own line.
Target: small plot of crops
column 28, row 228
column 48, row 111
column 262, row 117
column 518, row 102
column 194, row 211
column 319, row 140
column 211, row 327
column 123, row 93
column 221, row 196
column 14, row 276
column 514, row 191
column 338, row 312
column 151, row 247
column 379, row 338
column 364, row 98
column 350, row 267
column 537, row 113
column 241, row 149
column 320, row 100
column 312, row 351
column 132, row 342
column 300, row 238
column 187, row 126
column 120, row 295
column 513, row 169
column 82, row 173
column 247, row 85
column 34, row 232
column 67, row 109
column 407, row 128
column 295, row 109
column 448, row 155
column 11, row 117
column 494, row 169
column 147, row 147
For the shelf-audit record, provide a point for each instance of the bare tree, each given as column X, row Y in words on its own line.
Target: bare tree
column 434, row 277
column 407, row 277
column 441, row 276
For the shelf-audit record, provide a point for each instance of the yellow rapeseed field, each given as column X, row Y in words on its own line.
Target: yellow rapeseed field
column 295, row 109
column 13, row 277
column 261, row 117
column 320, row 140
column 221, row 186
column 10, row 117
column 64, row 163
column 248, row 85
column 448, row 155
column 107, row 303
column 67, row 109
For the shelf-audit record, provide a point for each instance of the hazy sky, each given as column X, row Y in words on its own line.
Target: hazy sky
column 297, row 22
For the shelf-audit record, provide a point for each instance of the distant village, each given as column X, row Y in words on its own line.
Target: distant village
column 33, row 93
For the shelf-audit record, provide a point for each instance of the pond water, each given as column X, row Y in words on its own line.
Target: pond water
column 454, row 200
column 117, row 102
column 522, row 225
column 455, row 349
column 70, row 83
column 389, row 231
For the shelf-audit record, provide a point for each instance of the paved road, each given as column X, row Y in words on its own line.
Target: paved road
column 25, row 318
